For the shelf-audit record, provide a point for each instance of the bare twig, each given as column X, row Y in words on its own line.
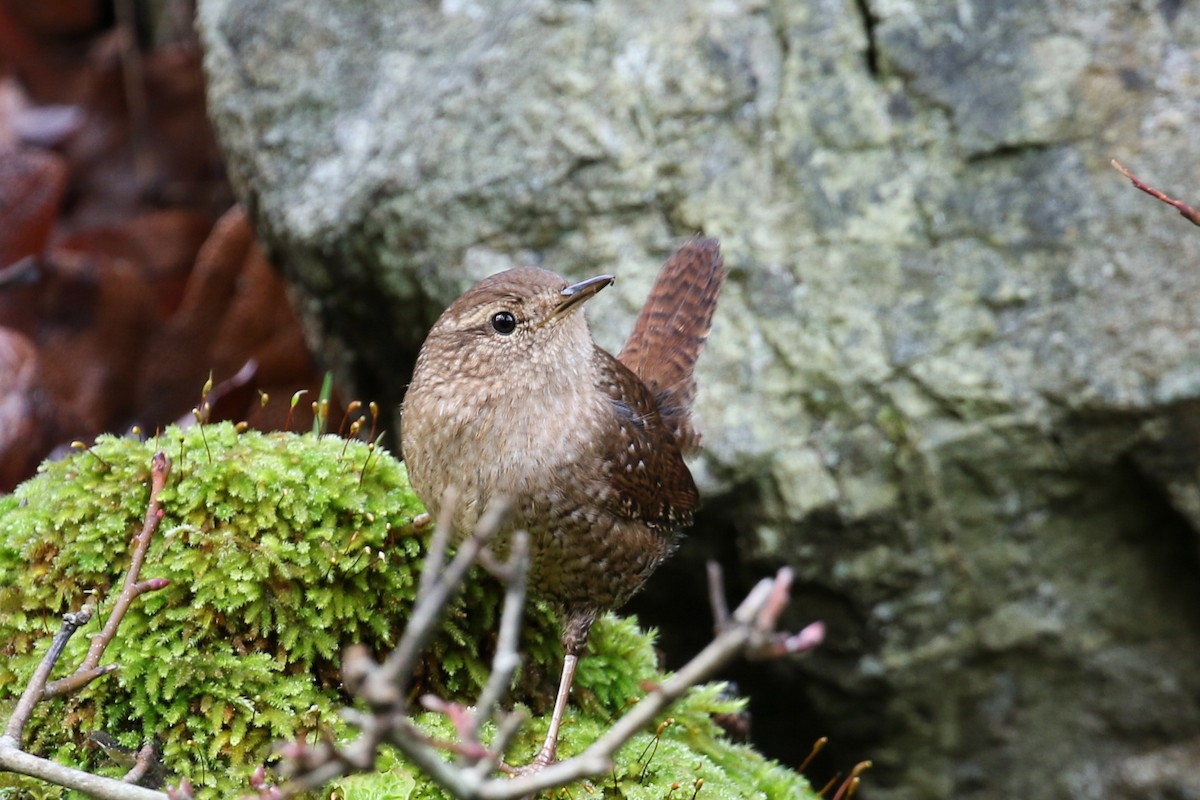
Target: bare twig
column 507, row 659
column 12, row 757
column 435, row 554
column 474, row 755
column 752, row 622
column 258, row 782
column 36, row 688
column 716, row 596
column 77, row 680
column 181, row 792
column 160, row 466
column 1186, row 211
column 751, row 629
column 767, row 643
column 146, row 758
column 383, row 686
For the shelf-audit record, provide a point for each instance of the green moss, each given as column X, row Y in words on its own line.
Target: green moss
column 282, row 550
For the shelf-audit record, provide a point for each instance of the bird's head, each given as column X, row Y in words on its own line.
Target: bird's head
column 522, row 318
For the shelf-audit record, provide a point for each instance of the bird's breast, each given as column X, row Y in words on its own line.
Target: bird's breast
column 522, row 443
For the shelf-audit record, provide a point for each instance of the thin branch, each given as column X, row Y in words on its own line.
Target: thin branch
column 507, row 659
column 439, row 542
column 506, row 730
column 77, row 680
column 12, row 757
column 751, row 629
column 35, row 690
column 160, row 466
column 383, row 686
column 1186, row 211
column 769, row 643
column 754, row 617
column 146, row 758
column 716, row 596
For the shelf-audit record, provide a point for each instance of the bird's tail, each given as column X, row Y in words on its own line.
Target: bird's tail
column 671, row 330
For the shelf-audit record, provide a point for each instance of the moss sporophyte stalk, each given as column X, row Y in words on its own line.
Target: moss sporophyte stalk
column 281, row 551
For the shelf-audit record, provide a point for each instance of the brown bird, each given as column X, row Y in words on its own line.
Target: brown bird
column 511, row 397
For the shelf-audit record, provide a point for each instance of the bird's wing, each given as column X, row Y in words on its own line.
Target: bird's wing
column 649, row 480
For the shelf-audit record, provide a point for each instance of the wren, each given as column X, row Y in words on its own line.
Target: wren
column 511, row 397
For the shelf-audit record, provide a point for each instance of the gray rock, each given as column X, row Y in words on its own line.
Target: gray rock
column 955, row 376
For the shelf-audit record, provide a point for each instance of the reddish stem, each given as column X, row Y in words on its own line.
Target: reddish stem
column 160, row 466
column 1186, row 211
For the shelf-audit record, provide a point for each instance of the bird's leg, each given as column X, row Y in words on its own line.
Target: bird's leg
column 550, row 747
column 576, row 627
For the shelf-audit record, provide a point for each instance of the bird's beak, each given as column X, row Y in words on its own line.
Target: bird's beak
column 575, row 294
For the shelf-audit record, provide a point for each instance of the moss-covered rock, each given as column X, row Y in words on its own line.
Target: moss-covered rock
column 283, row 549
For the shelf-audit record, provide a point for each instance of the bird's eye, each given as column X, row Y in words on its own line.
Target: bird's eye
column 504, row 323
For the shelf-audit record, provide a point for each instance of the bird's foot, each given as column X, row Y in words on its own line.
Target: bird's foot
column 543, row 759
column 547, row 755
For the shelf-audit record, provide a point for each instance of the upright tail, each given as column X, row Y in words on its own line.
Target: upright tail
column 671, row 330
